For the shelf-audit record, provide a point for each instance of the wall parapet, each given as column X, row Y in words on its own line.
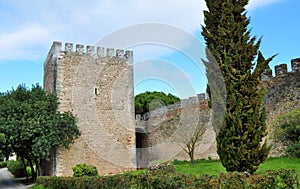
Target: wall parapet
column 282, row 71
column 96, row 51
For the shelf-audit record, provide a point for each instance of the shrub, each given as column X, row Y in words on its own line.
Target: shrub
column 273, row 179
column 16, row 168
column 3, row 164
column 294, row 150
column 83, row 169
column 165, row 167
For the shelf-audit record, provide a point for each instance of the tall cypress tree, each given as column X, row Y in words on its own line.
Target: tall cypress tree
column 239, row 141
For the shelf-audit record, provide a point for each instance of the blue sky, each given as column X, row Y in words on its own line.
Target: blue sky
column 29, row 27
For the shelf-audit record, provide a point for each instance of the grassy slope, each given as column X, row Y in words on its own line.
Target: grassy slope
column 280, row 163
column 212, row 167
column 215, row 167
column 200, row 168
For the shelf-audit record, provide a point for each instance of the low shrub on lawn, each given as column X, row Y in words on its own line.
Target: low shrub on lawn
column 84, row 169
column 16, row 168
column 3, row 164
column 271, row 179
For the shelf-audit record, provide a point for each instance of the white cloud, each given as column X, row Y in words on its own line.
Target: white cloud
column 29, row 27
column 20, row 44
column 33, row 21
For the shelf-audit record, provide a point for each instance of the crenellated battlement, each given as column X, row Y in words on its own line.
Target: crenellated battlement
column 281, row 70
column 296, row 65
column 98, row 52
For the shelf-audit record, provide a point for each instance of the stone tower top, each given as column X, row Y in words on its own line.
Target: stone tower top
column 98, row 52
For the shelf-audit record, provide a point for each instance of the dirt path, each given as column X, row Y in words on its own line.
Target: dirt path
column 8, row 181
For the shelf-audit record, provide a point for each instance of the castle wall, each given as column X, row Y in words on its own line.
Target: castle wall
column 97, row 87
column 169, row 129
column 283, row 95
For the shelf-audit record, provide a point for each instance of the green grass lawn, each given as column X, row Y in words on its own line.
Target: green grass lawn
column 280, row 163
column 215, row 167
column 201, row 167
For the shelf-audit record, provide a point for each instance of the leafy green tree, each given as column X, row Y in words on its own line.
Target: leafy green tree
column 288, row 132
column 5, row 149
column 147, row 101
column 32, row 125
column 239, row 142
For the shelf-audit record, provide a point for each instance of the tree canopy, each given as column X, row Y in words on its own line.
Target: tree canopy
column 242, row 64
column 32, row 125
column 147, row 101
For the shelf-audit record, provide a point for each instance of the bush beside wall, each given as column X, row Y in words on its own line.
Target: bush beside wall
column 272, row 179
column 84, row 169
column 16, row 168
column 3, row 164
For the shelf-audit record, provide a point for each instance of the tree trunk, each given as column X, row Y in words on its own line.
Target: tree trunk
column 38, row 168
column 24, row 168
column 191, row 154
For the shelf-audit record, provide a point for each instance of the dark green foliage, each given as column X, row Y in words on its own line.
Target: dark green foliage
column 273, row 179
column 3, row 164
column 294, row 150
column 147, row 101
column 288, row 132
column 236, row 52
column 83, row 169
column 32, row 126
column 5, row 147
column 16, row 168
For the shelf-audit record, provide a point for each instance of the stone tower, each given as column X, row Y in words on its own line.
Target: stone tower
column 96, row 85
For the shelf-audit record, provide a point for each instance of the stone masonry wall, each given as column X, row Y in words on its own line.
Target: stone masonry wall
column 169, row 128
column 98, row 88
column 283, row 95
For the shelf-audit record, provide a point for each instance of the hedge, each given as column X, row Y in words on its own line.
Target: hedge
column 3, row 164
column 271, row 179
column 16, row 168
column 84, row 169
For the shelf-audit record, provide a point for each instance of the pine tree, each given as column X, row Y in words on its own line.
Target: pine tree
column 240, row 140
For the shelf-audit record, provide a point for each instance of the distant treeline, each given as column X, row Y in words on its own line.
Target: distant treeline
column 147, row 101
